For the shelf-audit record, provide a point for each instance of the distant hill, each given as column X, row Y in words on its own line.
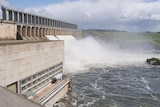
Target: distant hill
column 105, row 30
column 126, row 38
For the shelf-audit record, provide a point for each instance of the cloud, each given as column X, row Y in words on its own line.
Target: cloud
column 130, row 15
column 144, row 11
column 87, row 15
column 3, row 3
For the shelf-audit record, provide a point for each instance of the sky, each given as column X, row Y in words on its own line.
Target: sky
column 123, row 15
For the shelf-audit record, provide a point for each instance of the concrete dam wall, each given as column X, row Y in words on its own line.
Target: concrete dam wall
column 30, row 62
column 20, row 61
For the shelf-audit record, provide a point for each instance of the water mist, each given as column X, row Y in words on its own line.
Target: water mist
column 82, row 54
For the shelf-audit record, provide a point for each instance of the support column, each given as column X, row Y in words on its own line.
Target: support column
column 40, row 32
column 54, row 23
column 36, row 20
column 51, row 31
column 40, row 21
column 26, row 18
column 50, row 22
column 20, row 18
column 33, row 19
column 29, row 31
column 36, row 32
column 56, row 31
column 15, row 16
column 48, row 31
column 29, row 19
column 4, row 13
column 24, row 31
column 33, row 32
column 44, row 32
column 60, row 24
column 43, row 23
column 10, row 16
column 47, row 22
column 19, row 29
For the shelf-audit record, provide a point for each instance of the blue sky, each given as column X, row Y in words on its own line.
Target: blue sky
column 33, row 3
column 125, row 15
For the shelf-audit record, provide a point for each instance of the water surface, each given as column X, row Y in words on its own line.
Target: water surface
column 123, row 86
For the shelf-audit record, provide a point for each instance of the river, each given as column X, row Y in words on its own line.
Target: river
column 123, row 86
column 107, row 75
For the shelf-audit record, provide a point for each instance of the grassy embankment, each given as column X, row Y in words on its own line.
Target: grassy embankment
column 130, row 37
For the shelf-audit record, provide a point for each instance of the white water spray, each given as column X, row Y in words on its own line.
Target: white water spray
column 80, row 55
column 89, row 51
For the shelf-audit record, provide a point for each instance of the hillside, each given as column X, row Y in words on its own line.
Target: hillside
column 126, row 39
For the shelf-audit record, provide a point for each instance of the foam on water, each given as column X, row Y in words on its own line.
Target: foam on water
column 147, row 88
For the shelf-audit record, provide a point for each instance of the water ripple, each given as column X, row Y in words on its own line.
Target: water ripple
column 129, row 86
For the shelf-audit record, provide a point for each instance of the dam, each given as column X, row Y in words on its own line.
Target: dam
column 31, row 65
column 33, row 27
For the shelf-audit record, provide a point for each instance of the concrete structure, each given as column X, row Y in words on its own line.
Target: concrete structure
column 8, row 30
column 31, row 27
column 11, row 99
column 22, row 63
column 30, row 66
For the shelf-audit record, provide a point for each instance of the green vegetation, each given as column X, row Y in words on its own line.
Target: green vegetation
column 129, row 37
column 153, row 61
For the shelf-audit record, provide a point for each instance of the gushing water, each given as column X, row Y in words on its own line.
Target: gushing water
column 81, row 54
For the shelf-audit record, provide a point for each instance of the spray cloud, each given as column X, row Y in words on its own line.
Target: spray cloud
column 89, row 51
